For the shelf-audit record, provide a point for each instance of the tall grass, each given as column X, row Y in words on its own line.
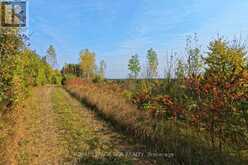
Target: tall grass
column 188, row 145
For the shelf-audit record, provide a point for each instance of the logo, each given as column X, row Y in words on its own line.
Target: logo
column 13, row 14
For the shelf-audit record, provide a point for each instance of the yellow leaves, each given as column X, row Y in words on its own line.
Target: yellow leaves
column 245, row 74
column 19, row 68
column 225, row 60
column 87, row 63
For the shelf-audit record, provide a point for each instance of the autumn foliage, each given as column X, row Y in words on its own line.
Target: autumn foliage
column 208, row 100
column 20, row 68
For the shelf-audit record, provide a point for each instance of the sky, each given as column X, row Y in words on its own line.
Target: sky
column 117, row 29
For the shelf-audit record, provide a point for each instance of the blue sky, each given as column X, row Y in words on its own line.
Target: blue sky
column 117, row 29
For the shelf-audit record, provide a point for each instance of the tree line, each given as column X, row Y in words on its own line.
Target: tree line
column 200, row 106
column 87, row 67
column 207, row 91
column 21, row 68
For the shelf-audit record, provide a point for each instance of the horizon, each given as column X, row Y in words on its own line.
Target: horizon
column 117, row 30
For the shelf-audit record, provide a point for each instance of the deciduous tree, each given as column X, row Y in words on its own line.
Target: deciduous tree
column 194, row 57
column 152, row 63
column 87, row 64
column 51, row 57
column 102, row 69
column 134, row 66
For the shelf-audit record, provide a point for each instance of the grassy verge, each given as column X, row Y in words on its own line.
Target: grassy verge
column 9, row 136
column 188, row 146
column 54, row 128
column 83, row 145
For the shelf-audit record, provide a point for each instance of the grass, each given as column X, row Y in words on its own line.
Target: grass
column 189, row 146
column 9, row 136
column 54, row 128
column 81, row 134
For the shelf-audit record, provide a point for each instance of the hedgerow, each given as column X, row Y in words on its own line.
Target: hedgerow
column 20, row 68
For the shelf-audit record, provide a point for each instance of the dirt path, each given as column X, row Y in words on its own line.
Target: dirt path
column 57, row 129
column 39, row 143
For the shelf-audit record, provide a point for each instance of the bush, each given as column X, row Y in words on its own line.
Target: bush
column 189, row 145
column 20, row 68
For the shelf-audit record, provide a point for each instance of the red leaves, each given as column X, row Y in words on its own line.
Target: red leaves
column 142, row 98
column 167, row 100
column 75, row 81
column 160, row 106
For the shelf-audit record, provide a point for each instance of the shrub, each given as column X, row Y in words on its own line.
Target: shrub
column 20, row 68
column 189, row 145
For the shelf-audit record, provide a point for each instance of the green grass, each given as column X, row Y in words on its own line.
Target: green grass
column 78, row 138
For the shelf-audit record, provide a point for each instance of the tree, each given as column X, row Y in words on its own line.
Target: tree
column 152, row 63
column 87, row 64
column 51, row 56
column 180, row 71
column 56, row 77
column 224, row 60
column 194, row 59
column 102, row 69
column 134, row 66
column 223, row 91
column 11, row 45
column 71, row 70
column 20, row 68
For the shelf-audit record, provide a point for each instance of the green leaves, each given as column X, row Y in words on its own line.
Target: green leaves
column 152, row 58
column 20, row 68
column 51, row 58
column 134, row 66
column 11, row 45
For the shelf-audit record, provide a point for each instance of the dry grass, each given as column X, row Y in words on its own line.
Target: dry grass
column 188, row 146
column 10, row 134
column 54, row 128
